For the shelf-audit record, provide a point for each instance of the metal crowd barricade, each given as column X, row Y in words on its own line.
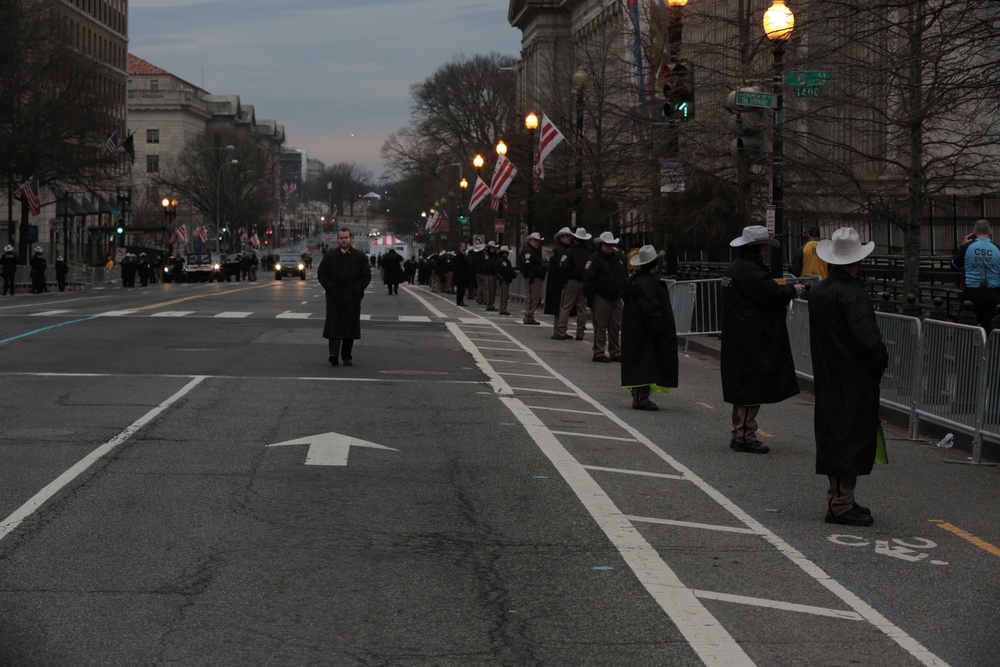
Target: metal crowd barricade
column 991, row 399
column 797, row 322
column 901, row 382
column 697, row 306
column 954, row 379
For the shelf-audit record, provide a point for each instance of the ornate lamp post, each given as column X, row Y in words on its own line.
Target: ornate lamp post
column 170, row 213
column 778, row 24
column 530, row 123
column 463, row 184
column 478, row 162
column 580, row 80
column 499, row 226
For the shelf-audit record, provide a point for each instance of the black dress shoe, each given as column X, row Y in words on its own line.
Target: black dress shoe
column 864, row 510
column 461, row 303
column 851, row 517
column 602, row 358
column 752, row 447
column 348, row 362
column 618, row 358
column 333, row 360
column 557, row 336
column 648, row 405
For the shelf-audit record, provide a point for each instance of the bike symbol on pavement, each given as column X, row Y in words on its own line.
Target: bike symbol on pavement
column 901, row 549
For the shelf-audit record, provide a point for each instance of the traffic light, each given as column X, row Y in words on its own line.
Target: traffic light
column 120, row 229
column 751, row 125
column 463, row 216
column 225, row 230
column 677, row 83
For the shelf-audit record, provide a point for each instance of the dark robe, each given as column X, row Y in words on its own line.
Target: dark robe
column 649, row 335
column 392, row 268
column 554, row 285
column 344, row 277
column 757, row 365
column 848, row 358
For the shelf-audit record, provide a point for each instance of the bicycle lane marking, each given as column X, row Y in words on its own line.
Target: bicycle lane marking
column 60, row 482
column 653, row 576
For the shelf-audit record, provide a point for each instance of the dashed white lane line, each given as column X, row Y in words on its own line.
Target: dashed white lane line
column 527, row 375
column 414, row 318
column 289, row 315
column 117, row 313
column 48, row 313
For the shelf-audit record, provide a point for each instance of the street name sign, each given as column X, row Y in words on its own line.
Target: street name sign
column 808, row 79
column 751, row 98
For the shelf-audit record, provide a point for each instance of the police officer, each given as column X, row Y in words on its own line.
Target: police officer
column 603, row 284
column 505, row 275
column 554, row 284
column 8, row 268
column 571, row 267
column 980, row 258
column 38, row 266
column 62, row 268
column 490, row 266
column 532, row 267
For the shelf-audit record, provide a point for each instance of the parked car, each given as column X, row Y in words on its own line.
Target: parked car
column 291, row 266
column 174, row 270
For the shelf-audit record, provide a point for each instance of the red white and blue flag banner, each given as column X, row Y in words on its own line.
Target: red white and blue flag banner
column 479, row 193
column 289, row 188
column 29, row 190
column 243, row 233
column 255, row 241
column 201, row 233
column 497, row 201
column 503, row 174
column 111, row 145
column 548, row 138
column 180, row 232
column 437, row 222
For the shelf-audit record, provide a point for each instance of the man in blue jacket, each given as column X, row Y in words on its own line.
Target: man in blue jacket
column 979, row 257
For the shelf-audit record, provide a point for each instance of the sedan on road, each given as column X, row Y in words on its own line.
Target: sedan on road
column 290, row 266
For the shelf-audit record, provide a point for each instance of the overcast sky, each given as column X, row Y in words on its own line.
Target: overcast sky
column 335, row 73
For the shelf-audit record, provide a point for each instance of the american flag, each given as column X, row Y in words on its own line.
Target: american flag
column 29, row 190
column 503, row 174
column 201, row 233
column 111, row 145
column 289, row 188
column 243, row 233
column 437, row 222
column 180, row 233
column 479, row 193
column 255, row 241
column 495, row 204
column 548, row 138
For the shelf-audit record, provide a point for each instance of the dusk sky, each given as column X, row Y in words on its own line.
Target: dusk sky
column 335, row 73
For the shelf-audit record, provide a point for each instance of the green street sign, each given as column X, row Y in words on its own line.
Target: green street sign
column 116, row 211
column 811, row 91
column 808, row 79
column 750, row 98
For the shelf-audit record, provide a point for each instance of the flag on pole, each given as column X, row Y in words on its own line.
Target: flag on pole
column 29, row 190
column 201, row 233
column 479, row 193
column 180, row 232
column 503, row 174
column 495, row 204
column 438, row 222
column 255, row 241
column 111, row 145
column 289, row 189
column 243, row 233
column 548, row 138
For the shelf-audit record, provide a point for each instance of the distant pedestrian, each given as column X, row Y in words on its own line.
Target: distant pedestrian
column 490, row 266
column 344, row 273
column 757, row 366
column 8, row 269
column 144, row 269
column 462, row 269
column 62, row 268
column 532, row 268
column 38, row 266
column 157, row 264
column 649, row 334
column 806, row 262
column 392, row 271
column 603, row 285
column 979, row 257
column 848, row 358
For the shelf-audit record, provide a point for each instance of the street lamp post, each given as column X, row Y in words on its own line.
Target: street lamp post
column 778, row 24
column 170, row 213
column 478, row 162
column 531, row 123
column 499, row 225
column 463, row 184
column 218, row 205
column 580, row 80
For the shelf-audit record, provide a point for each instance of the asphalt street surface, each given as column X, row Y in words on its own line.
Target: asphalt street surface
column 185, row 480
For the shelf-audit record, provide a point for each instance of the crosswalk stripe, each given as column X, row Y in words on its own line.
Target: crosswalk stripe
column 47, row 313
column 414, row 318
column 117, row 313
column 289, row 315
column 172, row 313
column 233, row 314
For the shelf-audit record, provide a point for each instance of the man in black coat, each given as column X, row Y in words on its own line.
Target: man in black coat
column 554, row 284
column 38, row 266
column 532, row 267
column 849, row 358
column 8, row 269
column 571, row 268
column 757, row 364
column 344, row 274
column 603, row 285
column 462, row 268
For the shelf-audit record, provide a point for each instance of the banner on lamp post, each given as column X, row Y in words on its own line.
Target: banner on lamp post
column 499, row 225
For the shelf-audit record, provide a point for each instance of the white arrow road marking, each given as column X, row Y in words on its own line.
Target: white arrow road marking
column 330, row 449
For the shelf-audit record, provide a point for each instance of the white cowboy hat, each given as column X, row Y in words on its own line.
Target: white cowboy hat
column 8, row 248
column 607, row 237
column 491, row 244
column 754, row 235
column 534, row 236
column 565, row 231
column 478, row 247
column 844, row 248
column 582, row 234
column 505, row 248
column 646, row 254
column 38, row 248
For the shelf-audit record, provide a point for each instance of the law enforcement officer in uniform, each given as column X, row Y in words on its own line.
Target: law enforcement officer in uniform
column 979, row 257
column 532, row 267
column 571, row 266
column 603, row 284
column 505, row 275
column 8, row 269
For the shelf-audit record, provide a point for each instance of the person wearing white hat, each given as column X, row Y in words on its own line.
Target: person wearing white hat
column 505, row 275
column 532, row 267
column 8, row 269
column 604, row 279
column 62, row 268
column 478, row 261
column 649, row 333
column 462, row 268
column 38, row 266
column 757, row 366
column 849, row 359
column 554, row 279
column 571, row 267
column 491, row 275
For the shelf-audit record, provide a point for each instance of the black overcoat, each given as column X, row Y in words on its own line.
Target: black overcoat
column 757, row 366
column 649, row 335
column 462, row 268
column 392, row 268
column 554, row 285
column 848, row 358
column 344, row 277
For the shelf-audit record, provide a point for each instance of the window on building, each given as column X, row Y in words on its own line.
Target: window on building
column 152, row 136
column 154, row 84
column 152, row 164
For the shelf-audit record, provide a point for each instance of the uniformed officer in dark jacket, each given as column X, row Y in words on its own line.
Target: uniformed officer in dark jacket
column 62, row 268
column 8, row 269
column 462, row 269
column 490, row 266
column 38, row 266
column 757, row 364
column 554, row 284
column 604, row 279
column 532, row 267
column 144, row 268
column 848, row 358
column 571, row 267
column 477, row 260
column 505, row 276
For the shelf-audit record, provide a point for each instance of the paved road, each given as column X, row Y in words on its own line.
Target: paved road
column 517, row 511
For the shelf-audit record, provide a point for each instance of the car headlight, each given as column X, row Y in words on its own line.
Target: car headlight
column 277, row 267
column 215, row 267
column 301, row 266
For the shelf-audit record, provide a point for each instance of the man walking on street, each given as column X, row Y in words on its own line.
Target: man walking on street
column 462, row 268
column 603, row 284
column 8, row 269
column 848, row 358
column 344, row 274
column 505, row 276
column 757, row 364
column 979, row 257
column 532, row 267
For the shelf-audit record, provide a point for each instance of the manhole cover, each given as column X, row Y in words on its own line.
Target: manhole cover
column 35, row 432
column 405, row 372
